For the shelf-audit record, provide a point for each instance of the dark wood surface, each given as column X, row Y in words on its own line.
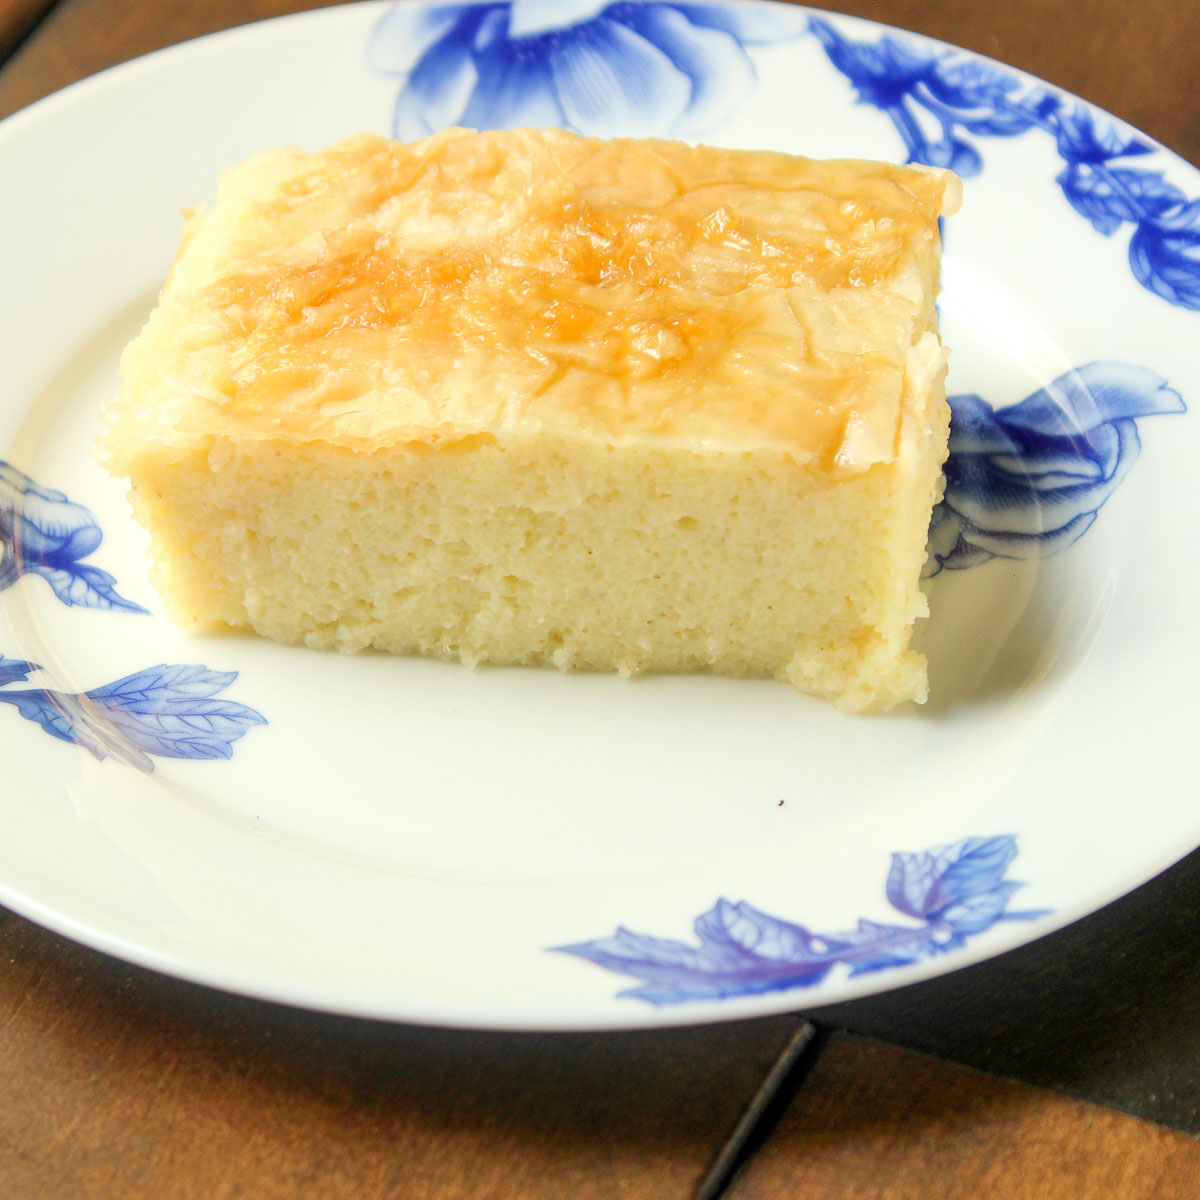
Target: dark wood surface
column 118, row 1082
column 17, row 19
column 115, row 1082
column 876, row 1122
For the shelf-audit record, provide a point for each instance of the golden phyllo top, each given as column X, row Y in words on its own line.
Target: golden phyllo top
column 490, row 284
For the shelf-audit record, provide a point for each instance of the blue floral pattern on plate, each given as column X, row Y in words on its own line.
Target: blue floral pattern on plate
column 954, row 892
column 936, row 97
column 43, row 533
column 168, row 711
column 1028, row 480
column 598, row 68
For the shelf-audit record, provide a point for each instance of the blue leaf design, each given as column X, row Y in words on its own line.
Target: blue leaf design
column 15, row 670
column 163, row 688
column 1164, row 254
column 598, row 68
column 43, row 533
column 979, row 98
column 936, row 883
column 1029, row 480
column 85, row 586
column 51, row 710
column 934, row 97
column 955, row 892
column 911, row 880
column 972, row 868
column 1084, row 136
column 979, row 912
column 1111, row 196
column 746, row 933
column 884, row 72
column 167, row 711
column 740, row 951
column 874, row 947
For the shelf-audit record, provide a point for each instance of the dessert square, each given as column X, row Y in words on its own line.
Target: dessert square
column 523, row 397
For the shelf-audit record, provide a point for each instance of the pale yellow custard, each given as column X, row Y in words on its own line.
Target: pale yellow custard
column 525, row 397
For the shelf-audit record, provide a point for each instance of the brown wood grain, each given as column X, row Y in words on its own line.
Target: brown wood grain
column 17, row 17
column 876, row 1122
column 117, row 1083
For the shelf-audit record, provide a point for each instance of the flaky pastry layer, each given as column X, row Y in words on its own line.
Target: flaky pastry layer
column 379, row 294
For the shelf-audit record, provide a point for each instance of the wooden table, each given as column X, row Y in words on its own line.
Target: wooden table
column 1070, row 1068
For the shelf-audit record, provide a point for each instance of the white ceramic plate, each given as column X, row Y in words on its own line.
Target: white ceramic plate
column 413, row 840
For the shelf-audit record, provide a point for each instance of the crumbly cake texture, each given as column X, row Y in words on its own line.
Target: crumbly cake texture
column 529, row 398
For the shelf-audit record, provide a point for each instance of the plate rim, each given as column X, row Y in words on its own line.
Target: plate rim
column 622, row 1016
